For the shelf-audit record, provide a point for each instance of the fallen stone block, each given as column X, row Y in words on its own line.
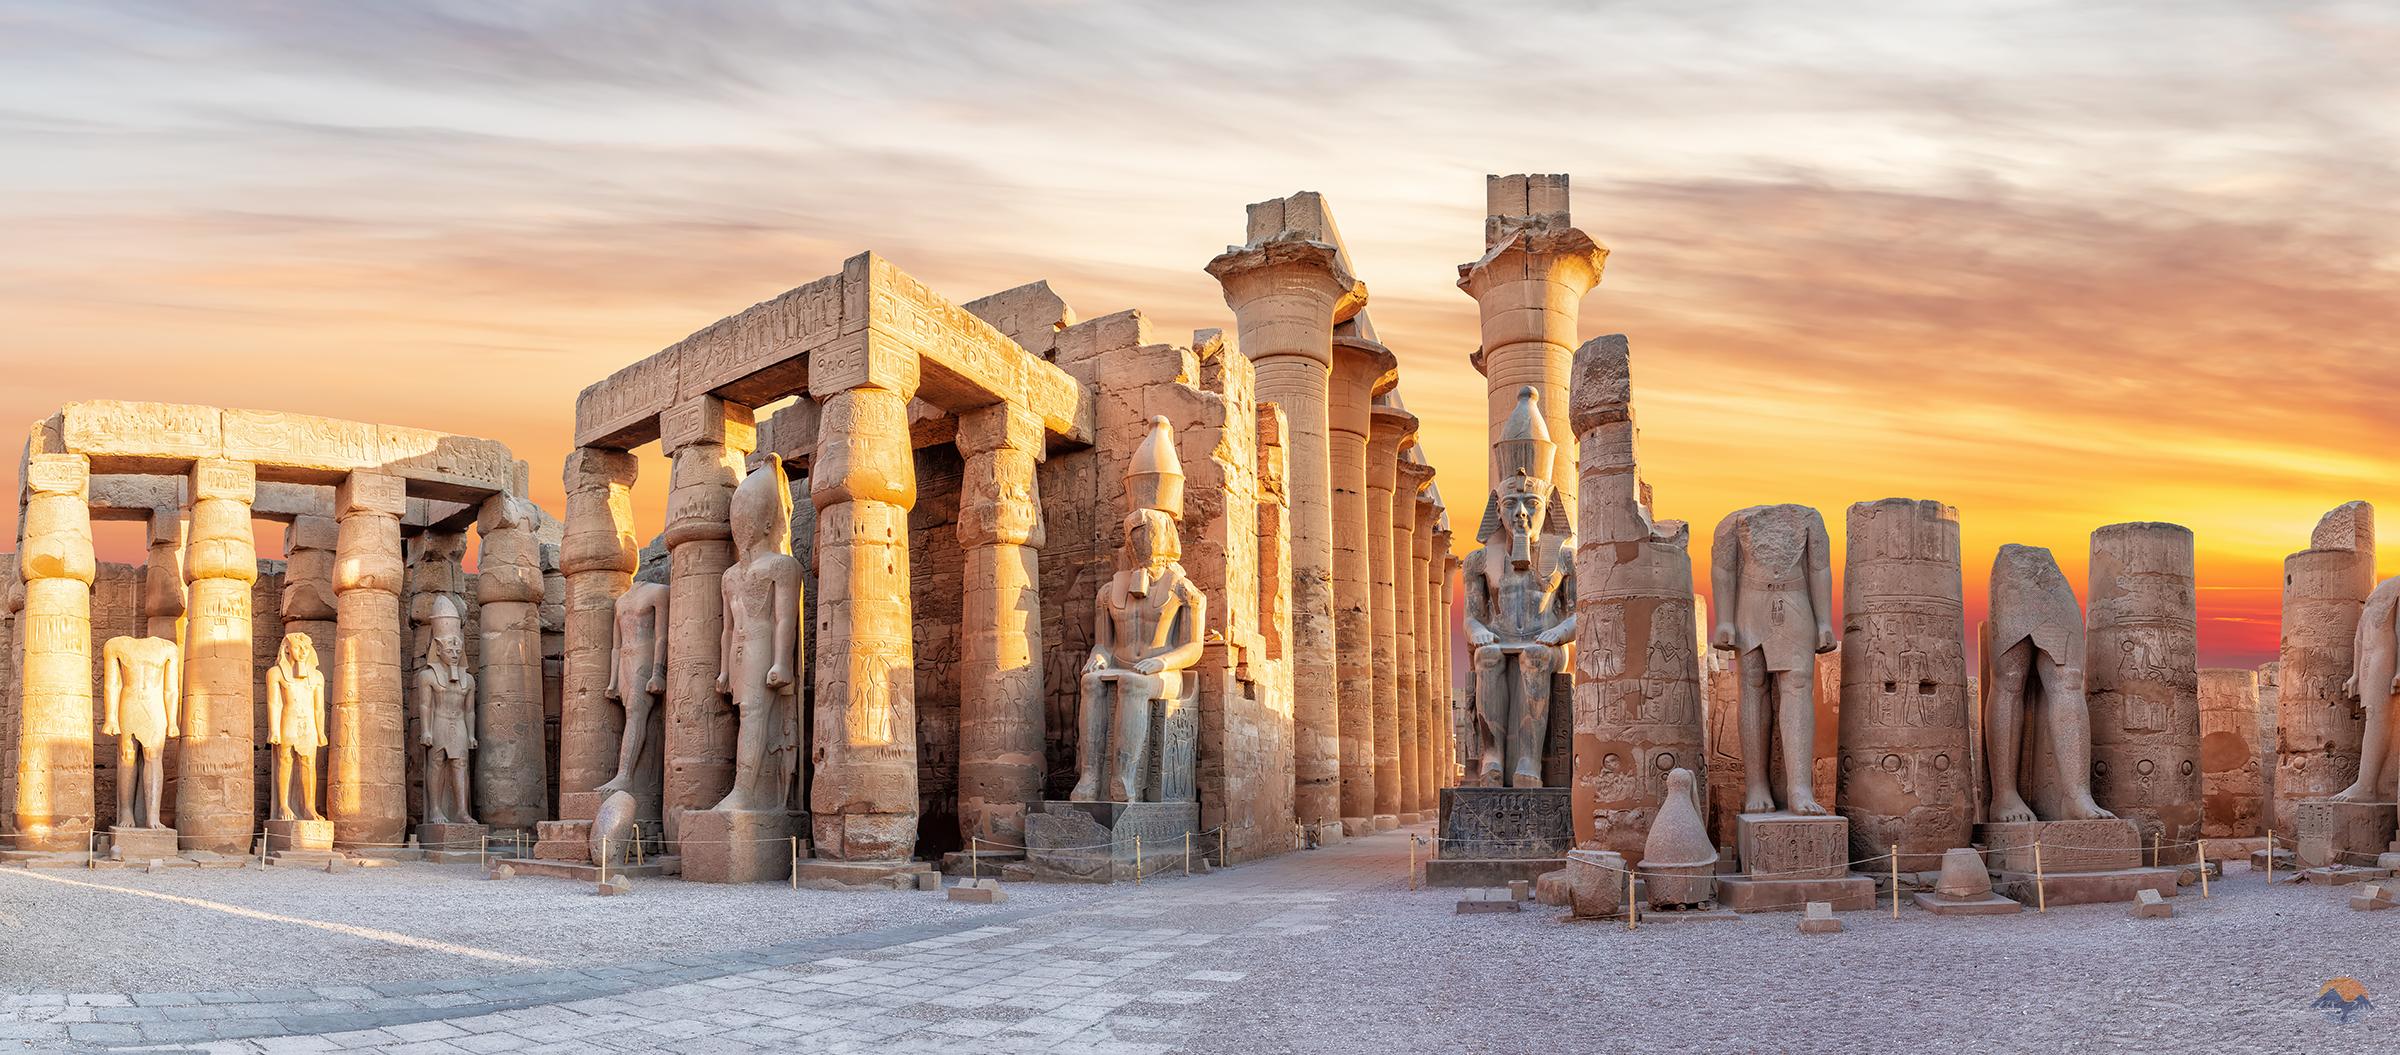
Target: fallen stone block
column 1487, row 899
column 2370, row 897
column 502, row 870
column 978, row 892
column 1520, row 890
column 1551, row 888
column 1818, row 918
column 2147, row 904
column 927, row 880
column 616, row 885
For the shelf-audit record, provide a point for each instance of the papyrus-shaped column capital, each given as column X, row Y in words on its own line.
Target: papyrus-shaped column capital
column 1286, row 294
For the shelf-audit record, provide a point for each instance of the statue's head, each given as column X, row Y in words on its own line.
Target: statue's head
column 1524, row 500
column 447, row 641
column 762, row 510
column 1152, row 542
column 299, row 652
column 1522, row 459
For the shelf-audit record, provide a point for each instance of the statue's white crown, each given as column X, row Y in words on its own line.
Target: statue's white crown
column 1154, row 478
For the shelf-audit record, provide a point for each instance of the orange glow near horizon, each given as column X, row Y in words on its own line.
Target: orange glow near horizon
column 2080, row 271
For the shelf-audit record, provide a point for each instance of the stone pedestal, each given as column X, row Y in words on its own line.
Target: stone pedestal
column 299, row 836
column 737, row 846
column 1788, row 861
column 569, row 841
column 437, row 837
column 2342, row 833
column 1489, row 836
column 1986, row 904
column 2082, row 862
column 1093, row 842
column 141, row 844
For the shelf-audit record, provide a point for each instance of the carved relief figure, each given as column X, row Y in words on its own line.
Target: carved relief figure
column 2374, row 677
column 2037, row 659
column 1520, row 592
column 296, row 728
column 761, row 641
column 143, row 697
column 445, row 696
column 1147, row 630
column 1773, row 576
column 637, row 665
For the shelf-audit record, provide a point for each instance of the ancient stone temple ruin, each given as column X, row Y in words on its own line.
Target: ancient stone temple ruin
column 990, row 587
column 257, row 664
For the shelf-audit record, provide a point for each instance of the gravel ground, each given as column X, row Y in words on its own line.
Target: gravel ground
column 56, row 936
column 1325, row 951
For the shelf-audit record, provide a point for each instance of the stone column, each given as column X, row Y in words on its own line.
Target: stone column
column 1392, row 426
column 2265, row 743
column 1446, row 571
column 1362, row 369
column 216, row 804
column 1904, row 777
column 707, row 439
column 1000, row 719
column 1409, row 571
column 308, row 602
column 598, row 560
column 1287, row 290
column 54, row 809
column 1433, row 705
column 511, row 762
column 1637, row 654
column 163, row 597
column 366, row 793
column 863, row 801
column 2142, row 681
column 2318, row 727
column 2232, row 783
column 1529, row 287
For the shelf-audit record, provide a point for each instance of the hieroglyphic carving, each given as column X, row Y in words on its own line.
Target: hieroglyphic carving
column 2142, row 679
column 1904, row 777
column 1505, row 823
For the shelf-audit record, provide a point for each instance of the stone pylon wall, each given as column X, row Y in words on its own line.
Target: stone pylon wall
column 2233, row 783
column 936, row 568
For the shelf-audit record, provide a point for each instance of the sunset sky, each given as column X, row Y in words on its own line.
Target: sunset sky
column 2059, row 265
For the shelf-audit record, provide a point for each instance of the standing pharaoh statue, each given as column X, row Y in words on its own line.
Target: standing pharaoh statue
column 1520, row 592
column 637, row 665
column 1147, row 631
column 2036, row 655
column 295, row 728
column 1772, row 570
column 445, row 694
column 2374, row 678
column 143, row 696
column 761, row 640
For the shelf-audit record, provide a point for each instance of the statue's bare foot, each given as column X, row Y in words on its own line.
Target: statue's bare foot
column 1491, row 777
column 2011, row 809
column 1759, row 801
column 2084, row 809
column 615, row 784
column 2358, row 792
column 1526, row 780
column 1807, row 807
column 1086, row 789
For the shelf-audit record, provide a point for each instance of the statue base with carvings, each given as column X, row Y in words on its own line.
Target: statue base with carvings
column 1789, row 860
column 1488, row 836
column 1108, row 842
column 2079, row 862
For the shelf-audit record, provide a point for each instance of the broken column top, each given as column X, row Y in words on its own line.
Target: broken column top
column 2350, row 526
column 1525, row 197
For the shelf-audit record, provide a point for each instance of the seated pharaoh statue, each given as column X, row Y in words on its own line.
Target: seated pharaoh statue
column 1146, row 633
column 1520, row 593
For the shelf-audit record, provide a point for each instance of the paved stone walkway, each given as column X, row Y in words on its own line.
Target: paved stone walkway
column 1105, row 976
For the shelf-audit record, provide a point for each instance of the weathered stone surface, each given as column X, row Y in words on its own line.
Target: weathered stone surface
column 215, row 790
column 706, row 442
column 442, row 699
column 2099, row 845
column 2319, row 727
column 2085, row 888
column 736, row 846
column 2148, row 904
column 1521, row 597
column 1528, row 288
column 1792, row 846
column 1502, row 823
column 1001, row 706
column 1637, row 712
column 2233, row 791
column 1392, row 426
column 1903, row 763
column 285, row 835
column 295, row 728
column 1362, row 369
column 1965, row 888
column 597, row 561
column 1596, row 884
column 569, row 840
column 2342, row 833
column 1106, row 842
column 1819, row 919
column 1772, row 573
column 511, row 765
column 2142, row 681
column 452, row 836
column 863, row 800
column 1146, row 638
column 1677, row 856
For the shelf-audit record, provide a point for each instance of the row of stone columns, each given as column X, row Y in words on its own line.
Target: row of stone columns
column 1367, row 720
